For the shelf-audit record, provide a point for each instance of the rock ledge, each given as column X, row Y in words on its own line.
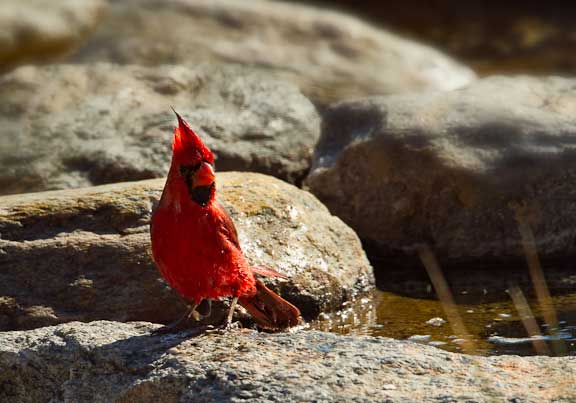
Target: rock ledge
column 108, row 361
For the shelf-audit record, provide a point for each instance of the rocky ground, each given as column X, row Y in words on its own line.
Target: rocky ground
column 123, row 362
column 391, row 141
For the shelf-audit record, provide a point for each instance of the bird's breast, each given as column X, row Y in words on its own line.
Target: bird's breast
column 187, row 243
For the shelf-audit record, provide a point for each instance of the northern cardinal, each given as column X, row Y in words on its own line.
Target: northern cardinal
column 195, row 244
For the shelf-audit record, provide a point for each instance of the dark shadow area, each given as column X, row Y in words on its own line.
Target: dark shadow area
column 493, row 37
column 469, row 278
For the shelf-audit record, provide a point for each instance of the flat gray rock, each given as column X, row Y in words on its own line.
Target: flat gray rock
column 66, row 126
column 108, row 361
column 84, row 254
column 456, row 170
column 37, row 31
column 330, row 55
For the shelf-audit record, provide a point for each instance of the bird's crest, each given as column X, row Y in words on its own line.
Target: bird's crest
column 188, row 145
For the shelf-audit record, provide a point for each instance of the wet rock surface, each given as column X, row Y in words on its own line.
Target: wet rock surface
column 68, row 126
column 330, row 55
column 37, row 31
column 457, row 170
column 108, row 361
column 83, row 254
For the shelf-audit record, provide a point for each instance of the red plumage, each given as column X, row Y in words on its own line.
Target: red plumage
column 195, row 244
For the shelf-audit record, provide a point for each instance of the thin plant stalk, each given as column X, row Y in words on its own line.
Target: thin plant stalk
column 528, row 320
column 537, row 277
column 445, row 296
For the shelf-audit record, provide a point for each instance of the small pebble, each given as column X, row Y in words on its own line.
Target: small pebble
column 419, row 337
column 435, row 322
column 437, row 343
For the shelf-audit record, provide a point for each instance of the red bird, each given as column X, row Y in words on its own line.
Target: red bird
column 195, row 244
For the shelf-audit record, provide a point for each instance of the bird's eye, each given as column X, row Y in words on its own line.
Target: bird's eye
column 186, row 170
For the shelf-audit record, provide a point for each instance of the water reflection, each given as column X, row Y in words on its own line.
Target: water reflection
column 494, row 327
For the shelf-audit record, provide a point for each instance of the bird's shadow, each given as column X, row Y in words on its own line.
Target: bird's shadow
column 144, row 349
column 134, row 354
column 138, row 352
column 142, row 354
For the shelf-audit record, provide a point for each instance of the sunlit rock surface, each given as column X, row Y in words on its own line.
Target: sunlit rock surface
column 83, row 254
column 108, row 361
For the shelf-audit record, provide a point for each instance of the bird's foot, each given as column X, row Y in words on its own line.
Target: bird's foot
column 223, row 328
column 228, row 325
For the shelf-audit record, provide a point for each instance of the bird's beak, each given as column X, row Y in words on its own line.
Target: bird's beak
column 204, row 176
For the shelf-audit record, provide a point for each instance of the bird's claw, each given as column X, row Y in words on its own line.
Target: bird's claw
column 223, row 328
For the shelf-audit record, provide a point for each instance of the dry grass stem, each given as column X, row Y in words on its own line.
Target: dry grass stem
column 445, row 296
column 528, row 320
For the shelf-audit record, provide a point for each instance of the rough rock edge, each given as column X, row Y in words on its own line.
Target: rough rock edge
column 108, row 361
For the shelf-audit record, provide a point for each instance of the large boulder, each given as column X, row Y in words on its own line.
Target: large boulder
column 36, row 31
column 457, row 170
column 330, row 55
column 120, row 362
column 68, row 126
column 83, row 254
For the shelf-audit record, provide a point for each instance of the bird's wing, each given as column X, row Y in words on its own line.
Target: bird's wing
column 227, row 228
column 228, row 231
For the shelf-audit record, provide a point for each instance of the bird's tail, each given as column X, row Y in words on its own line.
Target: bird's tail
column 269, row 310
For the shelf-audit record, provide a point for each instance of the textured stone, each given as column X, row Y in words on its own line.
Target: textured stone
column 83, row 254
column 330, row 55
column 68, row 126
column 36, row 31
column 107, row 361
column 455, row 169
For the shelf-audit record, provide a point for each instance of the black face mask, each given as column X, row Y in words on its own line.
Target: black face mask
column 199, row 194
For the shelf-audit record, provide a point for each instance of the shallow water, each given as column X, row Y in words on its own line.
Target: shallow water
column 494, row 327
